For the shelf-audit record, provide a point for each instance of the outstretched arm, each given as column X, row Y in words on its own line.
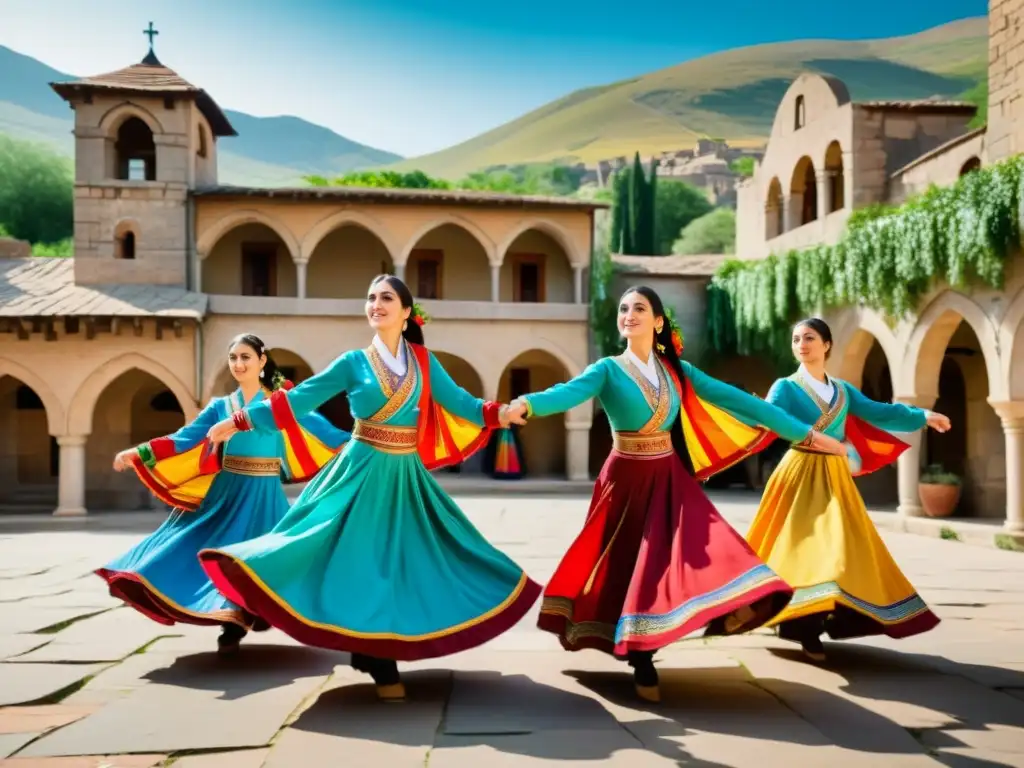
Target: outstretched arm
column 746, row 407
column 297, row 403
column 562, row 397
column 185, row 439
column 892, row 417
column 458, row 401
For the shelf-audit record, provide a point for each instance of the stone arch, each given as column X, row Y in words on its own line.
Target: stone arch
column 339, row 219
column 550, row 228
column 544, row 443
column 450, row 258
column 851, row 349
column 450, row 218
column 1011, row 341
column 83, row 404
column 55, row 417
column 126, row 239
column 114, row 117
column 972, row 163
column 343, row 252
column 833, row 165
column 537, row 264
column 803, row 192
column 236, row 219
column 774, row 215
column 931, row 335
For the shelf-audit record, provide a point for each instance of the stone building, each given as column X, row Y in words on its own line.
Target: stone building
column 963, row 350
column 128, row 339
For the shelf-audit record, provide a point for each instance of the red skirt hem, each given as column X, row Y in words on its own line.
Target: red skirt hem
column 235, row 583
column 134, row 592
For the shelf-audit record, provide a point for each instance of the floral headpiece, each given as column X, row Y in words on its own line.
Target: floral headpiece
column 280, row 382
column 418, row 316
column 677, row 339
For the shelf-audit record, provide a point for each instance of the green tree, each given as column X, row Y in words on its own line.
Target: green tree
column 714, row 232
column 676, row 205
column 978, row 96
column 744, row 166
column 36, row 192
column 619, row 213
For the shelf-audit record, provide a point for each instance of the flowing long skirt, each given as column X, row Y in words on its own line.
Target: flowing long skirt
column 375, row 558
column 161, row 575
column 813, row 529
column 655, row 562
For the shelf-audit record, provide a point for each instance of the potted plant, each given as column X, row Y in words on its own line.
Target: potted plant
column 939, row 491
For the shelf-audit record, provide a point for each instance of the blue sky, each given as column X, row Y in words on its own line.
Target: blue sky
column 417, row 76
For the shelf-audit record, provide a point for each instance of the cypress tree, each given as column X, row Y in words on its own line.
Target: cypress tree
column 637, row 205
column 620, row 211
column 651, row 212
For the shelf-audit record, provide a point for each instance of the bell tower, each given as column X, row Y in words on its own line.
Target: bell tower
column 144, row 139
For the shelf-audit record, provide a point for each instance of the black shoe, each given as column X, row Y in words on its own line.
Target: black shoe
column 230, row 638
column 384, row 673
column 813, row 648
column 645, row 676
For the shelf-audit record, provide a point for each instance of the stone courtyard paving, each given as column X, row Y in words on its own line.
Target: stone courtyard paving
column 85, row 683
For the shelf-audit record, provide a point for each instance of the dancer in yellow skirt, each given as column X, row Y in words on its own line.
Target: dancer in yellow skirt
column 812, row 527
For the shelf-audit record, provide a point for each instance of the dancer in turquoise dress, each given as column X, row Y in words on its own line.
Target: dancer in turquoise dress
column 218, row 497
column 375, row 558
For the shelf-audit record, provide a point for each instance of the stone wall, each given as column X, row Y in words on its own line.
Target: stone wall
column 1005, row 79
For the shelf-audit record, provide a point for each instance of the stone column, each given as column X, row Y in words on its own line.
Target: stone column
column 908, row 468
column 300, row 278
column 577, row 450
column 823, row 179
column 495, row 283
column 400, row 271
column 771, row 221
column 71, row 483
column 791, row 212
column 1012, row 416
column 577, row 287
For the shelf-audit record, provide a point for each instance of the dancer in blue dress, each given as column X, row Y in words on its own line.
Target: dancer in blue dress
column 219, row 497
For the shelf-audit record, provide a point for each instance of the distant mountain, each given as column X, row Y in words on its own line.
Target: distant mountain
column 733, row 95
column 269, row 151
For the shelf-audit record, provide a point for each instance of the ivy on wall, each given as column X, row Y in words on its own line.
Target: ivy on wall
column 888, row 259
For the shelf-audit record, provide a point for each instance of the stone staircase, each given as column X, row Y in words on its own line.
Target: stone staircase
column 29, row 500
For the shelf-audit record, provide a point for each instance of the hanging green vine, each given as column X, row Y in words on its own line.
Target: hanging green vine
column 888, row 259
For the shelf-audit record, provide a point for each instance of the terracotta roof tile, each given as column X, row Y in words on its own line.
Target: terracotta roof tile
column 45, row 287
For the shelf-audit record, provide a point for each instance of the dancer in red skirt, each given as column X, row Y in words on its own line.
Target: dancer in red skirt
column 655, row 561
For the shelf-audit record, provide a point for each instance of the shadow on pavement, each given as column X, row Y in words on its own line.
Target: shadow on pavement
column 256, row 668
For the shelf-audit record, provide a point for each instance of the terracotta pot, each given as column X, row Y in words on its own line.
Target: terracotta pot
column 938, row 500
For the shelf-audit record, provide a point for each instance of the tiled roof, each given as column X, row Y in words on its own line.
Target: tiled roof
column 417, row 196
column 683, row 266
column 921, row 105
column 45, row 287
column 152, row 77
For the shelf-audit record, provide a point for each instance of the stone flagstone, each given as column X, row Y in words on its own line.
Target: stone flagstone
column 108, row 637
column 200, row 702
column 24, row 683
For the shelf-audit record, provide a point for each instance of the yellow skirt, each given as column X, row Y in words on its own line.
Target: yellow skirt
column 813, row 530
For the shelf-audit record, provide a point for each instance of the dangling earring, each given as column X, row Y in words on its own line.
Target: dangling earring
column 405, row 325
column 261, row 373
column 661, row 347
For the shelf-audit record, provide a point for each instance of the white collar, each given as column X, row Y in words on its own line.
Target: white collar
column 395, row 365
column 648, row 369
column 825, row 389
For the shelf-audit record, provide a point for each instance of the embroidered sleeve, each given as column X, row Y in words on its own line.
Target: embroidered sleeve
column 892, row 417
column 456, row 400
column 565, row 396
column 186, row 438
column 290, row 406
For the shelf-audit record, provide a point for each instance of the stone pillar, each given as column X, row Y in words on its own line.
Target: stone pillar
column 71, row 483
column 1012, row 416
column 495, row 283
column 823, row 180
column 400, row 271
column 577, row 287
column 791, row 216
column 908, row 468
column 771, row 220
column 300, row 278
column 577, row 450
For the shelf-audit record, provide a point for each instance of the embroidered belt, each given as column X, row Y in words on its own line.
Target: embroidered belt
column 385, row 438
column 252, row 465
column 636, row 444
column 804, row 449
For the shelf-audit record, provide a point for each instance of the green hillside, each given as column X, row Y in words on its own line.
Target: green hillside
column 268, row 151
column 733, row 94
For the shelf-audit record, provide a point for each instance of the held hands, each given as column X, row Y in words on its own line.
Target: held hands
column 515, row 412
column 123, row 460
column 939, row 422
column 221, row 431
